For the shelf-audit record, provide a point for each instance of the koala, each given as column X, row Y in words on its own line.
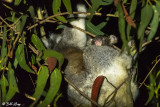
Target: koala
column 87, row 61
column 84, row 66
column 52, row 41
column 69, row 35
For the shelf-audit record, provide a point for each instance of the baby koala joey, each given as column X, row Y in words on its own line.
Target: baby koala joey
column 102, row 40
column 102, row 60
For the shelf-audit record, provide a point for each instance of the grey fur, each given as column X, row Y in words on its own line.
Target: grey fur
column 86, row 63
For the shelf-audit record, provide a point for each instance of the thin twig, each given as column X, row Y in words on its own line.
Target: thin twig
column 32, row 81
column 8, row 7
column 84, row 31
column 9, row 25
column 76, row 88
column 149, row 73
column 115, row 91
column 17, row 38
column 88, row 3
column 30, row 97
column 30, row 46
column 146, row 43
column 51, row 21
column 33, row 49
column 67, row 13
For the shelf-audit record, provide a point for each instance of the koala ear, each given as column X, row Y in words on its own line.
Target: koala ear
column 113, row 39
column 58, row 39
column 89, row 42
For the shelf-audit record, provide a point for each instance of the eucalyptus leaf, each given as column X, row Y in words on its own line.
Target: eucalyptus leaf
column 154, row 24
column 41, row 83
column 15, row 63
column 12, row 19
column 68, row 6
column 4, row 84
column 56, row 7
column 101, row 25
column 146, row 16
column 106, row 2
column 151, row 94
column 21, row 24
column 157, row 89
column 33, row 59
column 62, row 19
column 93, row 29
column 60, row 26
column 158, row 6
column 55, row 83
column 132, row 14
column 20, row 57
column 96, row 4
column 31, row 11
column 37, row 42
column 13, row 88
column 4, row 53
column 17, row 2
column 121, row 26
column 3, row 48
column 151, row 88
column 52, row 53
column 24, row 1
column 158, row 73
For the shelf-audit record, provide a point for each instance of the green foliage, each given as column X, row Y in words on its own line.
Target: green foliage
column 3, row 49
column 21, row 47
column 4, row 85
column 52, row 53
column 37, row 43
column 12, row 84
column 153, row 88
column 122, row 26
column 95, row 29
column 56, row 9
column 146, row 12
column 20, row 59
column 96, row 4
column 132, row 14
column 154, row 23
column 17, row 2
column 31, row 11
column 68, row 6
column 41, row 82
column 55, row 82
column 13, row 47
